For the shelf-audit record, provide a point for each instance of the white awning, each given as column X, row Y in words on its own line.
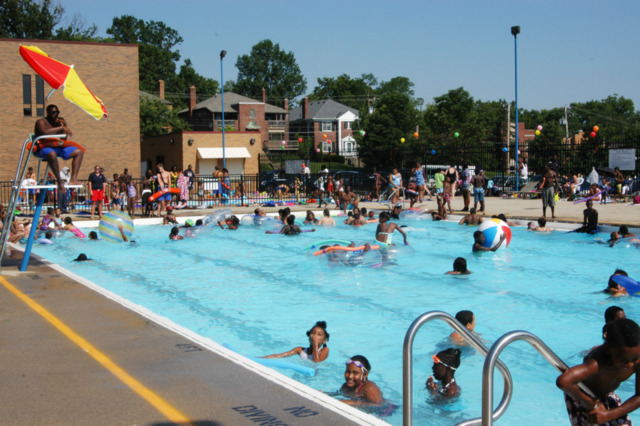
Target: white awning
column 209, row 153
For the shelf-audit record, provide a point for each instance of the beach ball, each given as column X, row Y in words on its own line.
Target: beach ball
column 416, row 135
column 493, row 229
column 596, row 128
column 109, row 226
column 593, row 134
column 537, row 132
column 401, row 140
column 539, row 127
column 456, row 135
column 300, row 140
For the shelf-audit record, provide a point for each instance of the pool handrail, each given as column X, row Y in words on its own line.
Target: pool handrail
column 407, row 366
column 492, row 358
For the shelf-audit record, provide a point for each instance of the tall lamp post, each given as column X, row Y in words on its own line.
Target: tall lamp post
column 223, row 53
column 515, row 31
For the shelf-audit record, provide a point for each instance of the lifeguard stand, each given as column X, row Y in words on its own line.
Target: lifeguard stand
column 25, row 156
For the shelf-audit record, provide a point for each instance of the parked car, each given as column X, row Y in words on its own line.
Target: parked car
column 358, row 181
column 271, row 179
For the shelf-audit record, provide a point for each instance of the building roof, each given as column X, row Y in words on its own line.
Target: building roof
column 214, row 104
column 149, row 97
column 321, row 110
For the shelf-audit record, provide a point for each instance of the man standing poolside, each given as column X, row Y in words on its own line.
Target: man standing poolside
column 96, row 188
column 479, row 186
column 51, row 149
column 164, row 184
column 548, row 185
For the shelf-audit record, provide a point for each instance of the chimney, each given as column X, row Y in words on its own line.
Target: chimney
column 161, row 89
column 286, row 104
column 192, row 100
column 305, row 112
column 264, row 96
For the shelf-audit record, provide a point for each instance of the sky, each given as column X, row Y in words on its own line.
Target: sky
column 567, row 51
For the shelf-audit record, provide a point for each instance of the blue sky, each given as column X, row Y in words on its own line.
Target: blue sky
column 568, row 51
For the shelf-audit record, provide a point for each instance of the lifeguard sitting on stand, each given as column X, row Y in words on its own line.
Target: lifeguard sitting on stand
column 51, row 149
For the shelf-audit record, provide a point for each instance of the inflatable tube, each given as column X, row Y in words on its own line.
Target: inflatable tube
column 352, row 259
column 343, row 248
column 277, row 363
column 632, row 286
column 413, row 215
column 216, row 216
column 54, row 143
column 159, row 193
column 584, row 200
column 321, row 243
column 109, row 226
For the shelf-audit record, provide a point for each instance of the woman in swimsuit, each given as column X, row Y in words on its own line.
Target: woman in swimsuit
column 356, row 386
column 421, row 184
column 317, row 351
column 450, row 180
column 395, row 180
column 445, row 364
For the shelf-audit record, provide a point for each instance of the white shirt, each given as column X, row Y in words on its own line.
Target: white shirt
column 524, row 171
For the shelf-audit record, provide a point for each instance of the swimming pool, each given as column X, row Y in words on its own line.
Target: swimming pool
column 260, row 293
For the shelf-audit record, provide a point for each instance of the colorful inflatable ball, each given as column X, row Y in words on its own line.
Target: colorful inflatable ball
column 493, row 230
column 110, row 223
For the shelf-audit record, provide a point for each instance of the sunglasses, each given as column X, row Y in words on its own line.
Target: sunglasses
column 357, row 364
column 437, row 360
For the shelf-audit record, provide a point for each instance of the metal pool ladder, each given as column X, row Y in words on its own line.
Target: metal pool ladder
column 407, row 367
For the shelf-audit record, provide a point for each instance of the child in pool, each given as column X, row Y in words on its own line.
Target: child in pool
column 317, row 351
column 445, row 364
column 602, row 371
column 615, row 289
column 468, row 320
column 356, row 386
column 175, row 234
column 459, row 267
column 69, row 226
column 478, row 242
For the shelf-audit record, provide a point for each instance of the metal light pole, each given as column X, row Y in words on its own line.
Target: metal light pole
column 515, row 31
column 223, row 53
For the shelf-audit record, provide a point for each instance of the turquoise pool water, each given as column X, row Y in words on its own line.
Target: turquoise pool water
column 260, row 293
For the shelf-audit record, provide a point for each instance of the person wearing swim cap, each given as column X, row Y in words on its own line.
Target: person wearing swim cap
column 445, row 364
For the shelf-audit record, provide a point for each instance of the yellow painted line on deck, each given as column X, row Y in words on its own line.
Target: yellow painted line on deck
column 158, row 403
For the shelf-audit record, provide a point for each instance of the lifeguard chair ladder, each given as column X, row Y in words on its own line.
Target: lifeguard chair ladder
column 16, row 187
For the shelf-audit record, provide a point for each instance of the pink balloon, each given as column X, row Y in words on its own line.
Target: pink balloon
column 317, row 149
column 540, row 127
column 284, row 142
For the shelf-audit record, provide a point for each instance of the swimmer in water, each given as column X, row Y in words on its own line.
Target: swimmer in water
column 478, row 244
column 459, row 267
column 317, row 351
column 467, row 319
column 356, row 384
column 445, row 364
column 384, row 231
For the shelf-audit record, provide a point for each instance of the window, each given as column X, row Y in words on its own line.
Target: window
column 326, row 126
column 39, row 96
column 348, row 124
column 252, row 113
column 276, row 137
column 26, row 95
column 348, row 147
column 326, row 146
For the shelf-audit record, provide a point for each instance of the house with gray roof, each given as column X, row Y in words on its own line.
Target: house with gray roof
column 241, row 114
column 329, row 124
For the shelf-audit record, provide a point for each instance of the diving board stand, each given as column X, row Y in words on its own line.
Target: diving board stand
column 16, row 187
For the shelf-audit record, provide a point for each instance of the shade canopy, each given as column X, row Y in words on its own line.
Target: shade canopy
column 234, row 152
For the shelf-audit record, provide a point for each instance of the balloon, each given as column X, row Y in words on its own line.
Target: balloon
column 518, row 152
column 415, row 135
column 284, row 142
column 596, row 128
column 401, row 140
column 324, row 136
column 433, row 152
column 593, row 134
column 317, row 149
column 329, row 141
column 539, row 127
column 282, row 147
column 505, row 149
column 537, row 132
column 361, row 132
column 456, row 135
column 300, row 140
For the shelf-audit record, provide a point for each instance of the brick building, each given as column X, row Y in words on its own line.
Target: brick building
column 110, row 71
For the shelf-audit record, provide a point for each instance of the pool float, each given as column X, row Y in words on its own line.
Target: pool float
column 276, row 362
column 109, row 224
column 216, row 216
column 54, row 143
column 28, row 182
column 413, row 215
column 342, row 248
column 321, row 243
column 584, row 200
column 632, row 286
column 493, row 230
column 358, row 258
column 159, row 193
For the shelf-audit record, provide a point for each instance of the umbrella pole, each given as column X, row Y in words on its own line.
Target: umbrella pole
column 50, row 93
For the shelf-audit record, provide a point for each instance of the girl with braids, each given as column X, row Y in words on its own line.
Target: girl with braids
column 445, row 364
column 317, row 351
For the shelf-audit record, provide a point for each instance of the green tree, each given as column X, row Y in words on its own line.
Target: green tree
column 77, row 30
column 352, row 92
column 269, row 67
column 397, row 84
column 156, row 49
column 187, row 77
column 394, row 118
column 157, row 119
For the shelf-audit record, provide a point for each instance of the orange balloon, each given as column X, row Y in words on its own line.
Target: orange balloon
column 415, row 135
column 596, row 128
column 324, row 136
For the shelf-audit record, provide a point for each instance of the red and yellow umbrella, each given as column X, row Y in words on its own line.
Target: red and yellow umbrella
column 59, row 75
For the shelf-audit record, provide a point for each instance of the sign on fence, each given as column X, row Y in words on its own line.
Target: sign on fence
column 625, row 159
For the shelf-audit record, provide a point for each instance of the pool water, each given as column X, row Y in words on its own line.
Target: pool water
column 260, row 294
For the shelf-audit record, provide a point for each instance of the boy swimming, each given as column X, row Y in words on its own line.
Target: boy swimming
column 602, row 371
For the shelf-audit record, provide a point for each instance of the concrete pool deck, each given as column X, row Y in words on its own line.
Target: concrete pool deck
column 73, row 355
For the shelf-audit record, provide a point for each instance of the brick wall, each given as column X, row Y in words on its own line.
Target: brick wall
column 110, row 71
